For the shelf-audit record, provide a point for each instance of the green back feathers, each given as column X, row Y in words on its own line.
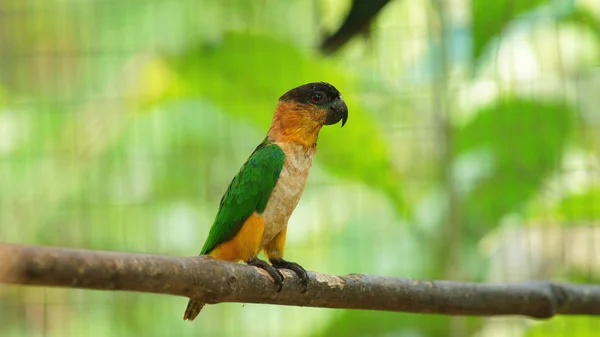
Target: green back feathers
column 248, row 192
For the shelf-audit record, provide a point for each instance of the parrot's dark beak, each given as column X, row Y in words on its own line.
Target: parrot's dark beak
column 337, row 111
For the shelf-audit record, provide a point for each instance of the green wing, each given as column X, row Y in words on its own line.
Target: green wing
column 249, row 191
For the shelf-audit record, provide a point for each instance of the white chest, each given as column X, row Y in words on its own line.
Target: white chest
column 288, row 190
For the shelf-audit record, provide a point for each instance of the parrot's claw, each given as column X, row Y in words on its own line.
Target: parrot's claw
column 296, row 268
column 275, row 274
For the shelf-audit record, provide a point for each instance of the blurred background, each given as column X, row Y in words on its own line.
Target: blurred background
column 472, row 150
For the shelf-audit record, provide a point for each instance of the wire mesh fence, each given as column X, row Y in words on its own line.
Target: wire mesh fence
column 471, row 150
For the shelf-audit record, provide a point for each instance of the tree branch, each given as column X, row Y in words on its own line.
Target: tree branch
column 215, row 281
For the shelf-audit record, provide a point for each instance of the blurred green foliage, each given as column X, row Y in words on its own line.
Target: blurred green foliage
column 122, row 122
column 563, row 326
column 579, row 206
column 515, row 151
column 491, row 18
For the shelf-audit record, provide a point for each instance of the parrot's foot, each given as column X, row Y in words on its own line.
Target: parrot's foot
column 275, row 274
column 296, row 268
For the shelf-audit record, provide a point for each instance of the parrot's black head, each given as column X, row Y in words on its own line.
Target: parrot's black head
column 323, row 96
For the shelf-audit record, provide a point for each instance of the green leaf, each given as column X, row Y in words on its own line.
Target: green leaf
column 246, row 74
column 491, row 17
column 516, row 144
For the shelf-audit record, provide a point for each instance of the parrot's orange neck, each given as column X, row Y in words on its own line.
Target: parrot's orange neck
column 296, row 123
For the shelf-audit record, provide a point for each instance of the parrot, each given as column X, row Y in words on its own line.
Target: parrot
column 254, row 211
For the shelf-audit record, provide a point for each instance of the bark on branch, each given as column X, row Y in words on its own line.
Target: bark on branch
column 215, row 281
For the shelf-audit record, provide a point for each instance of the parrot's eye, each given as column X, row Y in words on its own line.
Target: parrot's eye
column 318, row 98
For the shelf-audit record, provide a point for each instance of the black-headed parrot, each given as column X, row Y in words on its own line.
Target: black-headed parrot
column 254, row 211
